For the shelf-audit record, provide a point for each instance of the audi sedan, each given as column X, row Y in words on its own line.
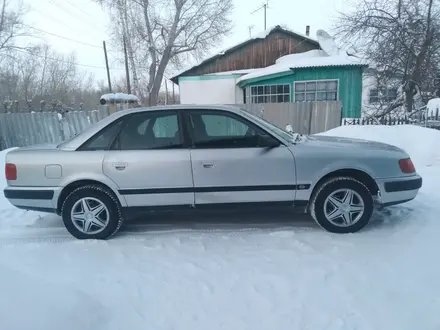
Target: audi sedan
column 194, row 157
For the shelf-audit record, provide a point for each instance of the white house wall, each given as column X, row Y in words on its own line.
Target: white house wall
column 209, row 90
column 368, row 83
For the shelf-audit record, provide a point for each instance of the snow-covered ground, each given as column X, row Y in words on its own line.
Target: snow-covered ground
column 255, row 274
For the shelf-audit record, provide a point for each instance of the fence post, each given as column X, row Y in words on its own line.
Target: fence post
column 42, row 105
column 342, row 114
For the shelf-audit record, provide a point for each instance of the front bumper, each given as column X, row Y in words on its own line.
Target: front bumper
column 42, row 199
column 399, row 190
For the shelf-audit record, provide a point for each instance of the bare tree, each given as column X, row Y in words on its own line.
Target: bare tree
column 44, row 74
column 401, row 38
column 11, row 26
column 162, row 31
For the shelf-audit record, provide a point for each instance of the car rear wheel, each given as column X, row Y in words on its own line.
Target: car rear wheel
column 342, row 205
column 92, row 212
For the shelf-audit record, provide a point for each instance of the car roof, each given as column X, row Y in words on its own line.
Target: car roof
column 82, row 137
column 230, row 108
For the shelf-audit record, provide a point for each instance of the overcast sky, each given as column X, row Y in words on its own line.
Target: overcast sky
column 87, row 25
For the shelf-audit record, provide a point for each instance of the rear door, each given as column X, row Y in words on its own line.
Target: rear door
column 232, row 163
column 149, row 162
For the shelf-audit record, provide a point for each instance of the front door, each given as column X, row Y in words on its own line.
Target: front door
column 149, row 162
column 232, row 163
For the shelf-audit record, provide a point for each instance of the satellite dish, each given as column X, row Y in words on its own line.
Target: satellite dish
column 327, row 43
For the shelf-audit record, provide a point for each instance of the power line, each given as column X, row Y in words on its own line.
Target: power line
column 79, row 9
column 66, row 10
column 67, row 62
column 56, row 20
column 62, row 37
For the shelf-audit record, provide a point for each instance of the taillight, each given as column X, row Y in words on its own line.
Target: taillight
column 10, row 171
column 406, row 165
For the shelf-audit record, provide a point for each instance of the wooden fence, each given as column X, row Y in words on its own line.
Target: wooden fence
column 304, row 117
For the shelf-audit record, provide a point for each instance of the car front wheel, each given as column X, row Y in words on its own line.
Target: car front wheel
column 92, row 212
column 342, row 205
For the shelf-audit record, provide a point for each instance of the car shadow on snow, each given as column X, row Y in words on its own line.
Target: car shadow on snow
column 245, row 220
column 223, row 221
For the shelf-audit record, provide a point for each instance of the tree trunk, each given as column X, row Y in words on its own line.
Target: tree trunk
column 409, row 100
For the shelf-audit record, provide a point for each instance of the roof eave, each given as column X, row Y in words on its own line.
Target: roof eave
column 245, row 82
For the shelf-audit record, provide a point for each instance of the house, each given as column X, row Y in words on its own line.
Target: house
column 305, row 72
column 216, row 76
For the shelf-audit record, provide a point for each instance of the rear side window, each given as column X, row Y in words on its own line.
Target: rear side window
column 150, row 131
column 103, row 139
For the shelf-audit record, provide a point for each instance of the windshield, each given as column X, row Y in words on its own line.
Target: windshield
column 270, row 127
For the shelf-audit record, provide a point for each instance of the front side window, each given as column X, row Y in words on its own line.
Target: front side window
column 269, row 94
column 212, row 130
column 147, row 131
column 318, row 90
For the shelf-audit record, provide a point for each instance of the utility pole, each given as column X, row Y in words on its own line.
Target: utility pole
column 265, row 6
column 108, row 69
column 127, row 73
column 250, row 27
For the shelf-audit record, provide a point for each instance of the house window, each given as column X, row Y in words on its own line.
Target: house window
column 269, row 94
column 382, row 95
column 317, row 90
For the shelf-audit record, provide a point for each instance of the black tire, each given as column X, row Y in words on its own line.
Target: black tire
column 106, row 197
column 331, row 186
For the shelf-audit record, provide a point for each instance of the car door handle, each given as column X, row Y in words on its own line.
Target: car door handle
column 207, row 165
column 120, row 166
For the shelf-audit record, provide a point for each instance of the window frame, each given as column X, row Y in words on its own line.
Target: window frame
column 189, row 131
column 124, row 119
column 383, row 99
column 163, row 113
column 316, row 91
column 85, row 145
column 249, row 94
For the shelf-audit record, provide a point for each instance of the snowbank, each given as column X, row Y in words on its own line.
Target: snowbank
column 421, row 143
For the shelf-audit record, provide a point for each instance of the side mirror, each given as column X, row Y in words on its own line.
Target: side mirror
column 267, row 141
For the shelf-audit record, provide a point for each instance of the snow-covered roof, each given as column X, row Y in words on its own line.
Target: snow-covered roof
column 233, row 72
column 310, row 59
column 119, row 97
column 433, row 106
column 261, row 35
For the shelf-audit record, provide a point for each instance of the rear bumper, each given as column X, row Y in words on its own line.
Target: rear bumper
column 42, row 199
column 399, row 190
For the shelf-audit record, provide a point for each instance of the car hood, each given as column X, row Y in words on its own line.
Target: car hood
column 342, row 142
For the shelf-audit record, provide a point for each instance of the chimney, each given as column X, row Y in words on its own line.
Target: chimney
column 307, row 30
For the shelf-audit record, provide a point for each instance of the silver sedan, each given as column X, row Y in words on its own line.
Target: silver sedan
column 205, row 157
